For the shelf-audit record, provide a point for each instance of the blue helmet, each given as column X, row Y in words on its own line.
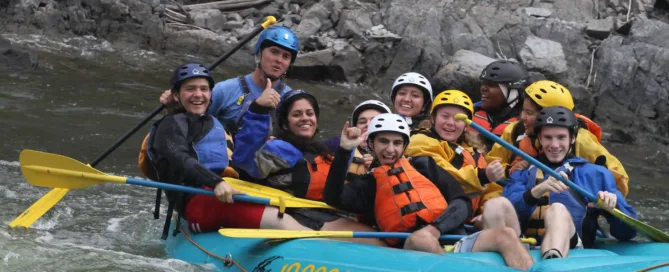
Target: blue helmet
column 281, row 36
column 288, row 99
column 187, row 71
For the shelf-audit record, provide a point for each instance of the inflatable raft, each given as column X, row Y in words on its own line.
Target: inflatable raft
column 323, row 255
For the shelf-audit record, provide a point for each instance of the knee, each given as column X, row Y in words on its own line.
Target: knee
column 419, row 238
column 498, row 205
column 557, row 211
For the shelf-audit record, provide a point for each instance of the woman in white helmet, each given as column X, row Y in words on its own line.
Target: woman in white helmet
column 409, row 194
column 412, row 98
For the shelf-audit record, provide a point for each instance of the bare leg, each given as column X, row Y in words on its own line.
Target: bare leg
column 559, row 229
column 345, row 224
column 425, row 239
column 270, row 220
column 505, row 241
column 499, row 212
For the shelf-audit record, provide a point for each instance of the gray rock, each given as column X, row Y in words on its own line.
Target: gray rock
column 234, row 17
column 295, row 18
column 600, row 29
column 233, row 25
column 543, row 55
column 270, row 9
column 326, row 25
column 246, row 13
column 380, row 34
column 14, row 60
column 211, row 19
column 577, row 11
column 307, row 28
column 314, row 66
column 632, row 83
column 462, row 72
column 337, row 6
column 348, row 62
column 294, row 8
column 353, row 22
column 537, row 12
column 311, row 21
column 653, row 32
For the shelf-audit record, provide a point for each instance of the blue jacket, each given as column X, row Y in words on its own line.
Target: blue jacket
column 591, row 177
column 274, row 162
column 225, row 97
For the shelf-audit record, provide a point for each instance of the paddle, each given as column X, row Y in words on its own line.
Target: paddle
column 44, row 204
column 653, row 233
column 293, row 234
column 53, row 170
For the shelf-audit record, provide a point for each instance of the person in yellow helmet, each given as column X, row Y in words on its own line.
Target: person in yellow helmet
column 457, row 150
column 542, row 94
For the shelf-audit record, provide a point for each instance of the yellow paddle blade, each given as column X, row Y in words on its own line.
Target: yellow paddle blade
column 258, row 190
column 39, row 208
column 653, row 233
column 250, row 186
column 283, row 234
column 56, row 171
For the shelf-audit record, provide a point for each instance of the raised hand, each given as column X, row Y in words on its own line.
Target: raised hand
column 269, row 97
column 351, row 137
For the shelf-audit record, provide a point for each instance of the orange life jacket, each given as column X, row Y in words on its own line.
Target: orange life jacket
column 405, row 199
column 593, row 127
column 481, row 118
column 318, row 171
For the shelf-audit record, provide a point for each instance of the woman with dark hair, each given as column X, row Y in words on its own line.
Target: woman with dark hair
column 294, row 161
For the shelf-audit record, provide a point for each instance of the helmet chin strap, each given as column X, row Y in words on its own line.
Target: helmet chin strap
column 511, row 95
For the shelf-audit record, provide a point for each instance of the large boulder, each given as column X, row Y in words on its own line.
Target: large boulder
column 632, row 80
column 13, row 59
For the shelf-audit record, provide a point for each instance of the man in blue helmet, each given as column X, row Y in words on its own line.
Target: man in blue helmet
column 275, row 51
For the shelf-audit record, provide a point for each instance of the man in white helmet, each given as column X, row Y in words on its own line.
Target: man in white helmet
column 410, row 194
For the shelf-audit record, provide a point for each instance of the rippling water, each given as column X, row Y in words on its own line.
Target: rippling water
column 78, row 108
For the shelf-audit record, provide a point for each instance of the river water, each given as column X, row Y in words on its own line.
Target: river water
column 78, row 107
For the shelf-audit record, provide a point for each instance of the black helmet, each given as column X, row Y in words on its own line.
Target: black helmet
column 503, row 71
column 187, row 71
column 556, row 116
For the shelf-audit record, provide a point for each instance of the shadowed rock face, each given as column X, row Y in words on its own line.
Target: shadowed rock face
column 624, row 87
column 13, row 59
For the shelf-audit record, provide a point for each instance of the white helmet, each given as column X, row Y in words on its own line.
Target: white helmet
column 369, row 104
column 414, row 79
column 389, row 122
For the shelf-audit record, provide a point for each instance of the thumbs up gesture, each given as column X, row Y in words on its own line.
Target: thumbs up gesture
column 269, row 97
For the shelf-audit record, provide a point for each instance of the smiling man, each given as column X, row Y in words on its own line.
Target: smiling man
column 275, row 51
column 548, row 210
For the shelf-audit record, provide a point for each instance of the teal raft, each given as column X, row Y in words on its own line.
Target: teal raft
column 323, row 255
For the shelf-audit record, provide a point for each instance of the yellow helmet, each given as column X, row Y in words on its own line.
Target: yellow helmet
column 453, row 97
column 548, row 93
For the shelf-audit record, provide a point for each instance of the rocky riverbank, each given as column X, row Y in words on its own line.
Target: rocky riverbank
column 612, row 54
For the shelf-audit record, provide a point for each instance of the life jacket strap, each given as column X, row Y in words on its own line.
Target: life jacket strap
column 412, row 208
column 402, row 187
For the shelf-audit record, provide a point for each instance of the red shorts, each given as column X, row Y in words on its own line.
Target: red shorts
column 207, row 213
